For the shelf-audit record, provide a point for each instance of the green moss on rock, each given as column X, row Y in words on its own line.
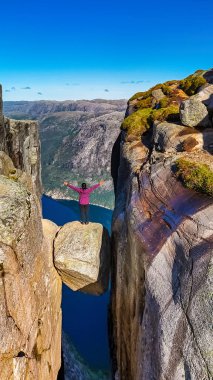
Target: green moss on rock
column 195, row 175
column 165, row 87
column 141, row 120
column 170, row 113
column 144, row 103
column 164, row 102
column 138, row 122
column 191, row 84
column 148, row 109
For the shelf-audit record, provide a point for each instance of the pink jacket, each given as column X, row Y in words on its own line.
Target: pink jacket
column 83, row 194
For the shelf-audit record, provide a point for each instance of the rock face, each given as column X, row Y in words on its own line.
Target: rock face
column 23, row 146
column 162, row 244
column 30, row 288
column 193, row 113
column 205, row 95
column 173, row 138
column 20, row 140
column 82, row 257
column 1, row 119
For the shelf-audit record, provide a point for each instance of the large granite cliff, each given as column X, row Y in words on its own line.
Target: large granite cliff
column 30, row 287
column 20, row 140
column 162, row 239
column 30, row 284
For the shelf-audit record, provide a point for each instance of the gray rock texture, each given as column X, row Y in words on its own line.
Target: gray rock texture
column 2, row 137
column 193, row 113
column 205, row 95
column 20, row 141
column 30, row 287
column 162, row 245
column 162, row 276
column 172, row 138
column 82, row 257
column 22, row 144
column 158, row 94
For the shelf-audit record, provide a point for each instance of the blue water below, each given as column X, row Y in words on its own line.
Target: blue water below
column 84, row 316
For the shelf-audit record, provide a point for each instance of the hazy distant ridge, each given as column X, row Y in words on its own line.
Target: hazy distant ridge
column 76, row 140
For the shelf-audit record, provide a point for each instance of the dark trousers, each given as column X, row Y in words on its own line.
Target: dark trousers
column 84, row 210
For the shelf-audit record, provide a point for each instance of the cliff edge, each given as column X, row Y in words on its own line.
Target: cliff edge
column 30, row 288
column 20, row 140
column 162, row 239
column 30, row 285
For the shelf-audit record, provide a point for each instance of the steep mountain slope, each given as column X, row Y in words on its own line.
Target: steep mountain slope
column 76, row 142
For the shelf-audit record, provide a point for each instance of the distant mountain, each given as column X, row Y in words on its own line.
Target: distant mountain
column 77, row 139
column 37, row 109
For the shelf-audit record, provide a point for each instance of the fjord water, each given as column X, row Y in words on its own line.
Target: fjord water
column 84, row 316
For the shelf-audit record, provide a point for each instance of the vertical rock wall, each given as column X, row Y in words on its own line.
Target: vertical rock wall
column 162, row 241
column 30, row 288
column 2, row 132
column 20, row 140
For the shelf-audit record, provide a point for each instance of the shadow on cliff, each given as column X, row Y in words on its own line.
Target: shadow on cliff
column 185, row 268
column 209, row 76
column 115, row 161
column 150, row 339
column 61, row 371
column 208, row 133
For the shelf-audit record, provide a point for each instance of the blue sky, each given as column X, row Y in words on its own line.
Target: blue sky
column 93, row 48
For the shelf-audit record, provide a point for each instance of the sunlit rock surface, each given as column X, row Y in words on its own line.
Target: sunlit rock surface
column 194, row 113
column 19, row 139
column 82, row 256
column 30, row 287
column 162, row 245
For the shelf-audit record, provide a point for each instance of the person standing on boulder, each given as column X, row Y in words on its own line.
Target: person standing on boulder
column 84, row 194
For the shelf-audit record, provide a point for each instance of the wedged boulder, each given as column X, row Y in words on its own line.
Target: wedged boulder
column 193, row 113
column 82, row 257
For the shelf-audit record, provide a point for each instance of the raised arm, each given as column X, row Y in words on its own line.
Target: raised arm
column 92, row 188
column 72, row 187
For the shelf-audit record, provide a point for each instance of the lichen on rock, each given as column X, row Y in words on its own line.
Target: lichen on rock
column 197, row 176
